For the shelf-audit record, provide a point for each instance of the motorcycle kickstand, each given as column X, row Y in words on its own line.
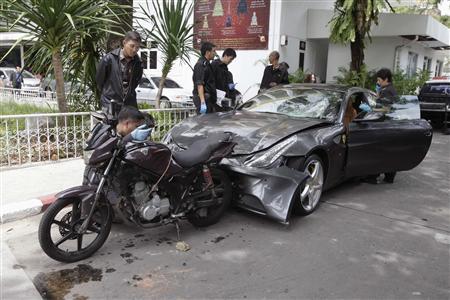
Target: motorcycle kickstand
column 177, row 226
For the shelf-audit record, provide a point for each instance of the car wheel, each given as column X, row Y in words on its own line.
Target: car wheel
column 164, row 103
column 311, row 191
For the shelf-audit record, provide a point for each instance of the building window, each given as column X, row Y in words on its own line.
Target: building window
column 411, row 68
column 149, row 59
column 438, row 69
column 427, row 63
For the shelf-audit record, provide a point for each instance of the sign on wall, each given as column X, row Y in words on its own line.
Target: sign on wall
column 238, row 24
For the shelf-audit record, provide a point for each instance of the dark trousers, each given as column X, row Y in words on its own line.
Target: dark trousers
column 210, row 105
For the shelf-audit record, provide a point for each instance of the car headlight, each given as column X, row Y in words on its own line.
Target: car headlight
column 269, row 157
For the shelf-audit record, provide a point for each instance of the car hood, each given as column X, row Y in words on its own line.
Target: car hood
column 254, row 131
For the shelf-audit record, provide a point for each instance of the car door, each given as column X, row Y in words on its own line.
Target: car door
column 145, row 91
column 398, row 141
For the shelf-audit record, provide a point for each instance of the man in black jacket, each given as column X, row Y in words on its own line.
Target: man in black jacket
column 273, row 74
column 222, row 76
column 119, row 73
column 204, row 92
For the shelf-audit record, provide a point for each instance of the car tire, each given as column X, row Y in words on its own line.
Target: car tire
column 165, row 103
column 309, row 193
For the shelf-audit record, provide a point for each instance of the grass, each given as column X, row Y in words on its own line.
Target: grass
column 12, row 108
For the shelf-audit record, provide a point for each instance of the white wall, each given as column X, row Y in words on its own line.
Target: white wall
column 380, row 54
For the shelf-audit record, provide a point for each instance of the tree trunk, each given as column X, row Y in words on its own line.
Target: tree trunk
column 165, row 72
column 357, row 51
column 59, row 78
column 115, row 41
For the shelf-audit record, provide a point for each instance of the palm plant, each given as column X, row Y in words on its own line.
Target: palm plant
column 352, row 21
column 60, row 28
column 172, row 32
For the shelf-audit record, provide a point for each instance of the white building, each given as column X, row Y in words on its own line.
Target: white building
column 409, row 42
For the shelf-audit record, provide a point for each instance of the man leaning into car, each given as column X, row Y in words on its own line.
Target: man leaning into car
column 119, row 73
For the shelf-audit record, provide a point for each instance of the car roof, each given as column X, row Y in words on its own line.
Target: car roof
column 438, row 81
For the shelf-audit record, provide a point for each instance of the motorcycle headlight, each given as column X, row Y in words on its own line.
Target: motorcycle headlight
column 267, row 158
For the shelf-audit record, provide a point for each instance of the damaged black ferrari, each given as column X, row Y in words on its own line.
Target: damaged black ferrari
column 295, row 141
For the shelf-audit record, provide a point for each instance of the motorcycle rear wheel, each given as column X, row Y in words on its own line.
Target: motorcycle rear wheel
column 62, row 219
column 223, row 190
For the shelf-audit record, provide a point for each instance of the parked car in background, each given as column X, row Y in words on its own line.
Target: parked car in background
column 30, row 83
column 173, row 94
column 295, row 141
column 434, row 100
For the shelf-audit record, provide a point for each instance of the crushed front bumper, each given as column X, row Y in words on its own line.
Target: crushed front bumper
column 269, row 192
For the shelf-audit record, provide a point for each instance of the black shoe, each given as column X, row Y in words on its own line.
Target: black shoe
column 389, row 177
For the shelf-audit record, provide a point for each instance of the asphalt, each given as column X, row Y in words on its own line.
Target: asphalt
column 387, row 241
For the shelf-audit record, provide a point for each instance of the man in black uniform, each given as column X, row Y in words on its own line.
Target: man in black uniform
column 204, row 84
column 119, row 73
column 222, row 76
column 273, row 74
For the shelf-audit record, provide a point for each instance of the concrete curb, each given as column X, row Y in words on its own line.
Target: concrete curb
column 24, row 209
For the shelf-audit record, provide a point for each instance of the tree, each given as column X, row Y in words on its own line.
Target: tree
column 352, row 21
column 126, row 24
column 58, row 28
column 171, row 32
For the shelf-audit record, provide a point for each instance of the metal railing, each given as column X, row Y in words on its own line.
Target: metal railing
column 29, row 96
column 29, row 139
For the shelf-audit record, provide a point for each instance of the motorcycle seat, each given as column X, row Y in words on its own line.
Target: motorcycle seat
column 199, row 151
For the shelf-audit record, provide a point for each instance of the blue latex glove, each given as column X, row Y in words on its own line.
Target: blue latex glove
column 141, row 133
column 377, row 88
column 365, row 107
column 231, row 86
column 203, row 108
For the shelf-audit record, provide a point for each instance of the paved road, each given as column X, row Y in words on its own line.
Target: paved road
column 365, row 241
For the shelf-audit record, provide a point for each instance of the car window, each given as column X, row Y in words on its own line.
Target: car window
column 145, row 84
column 297, row 102
column 395, row 108
column 169, row 83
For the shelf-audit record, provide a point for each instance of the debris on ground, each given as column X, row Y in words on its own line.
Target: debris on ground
column 183, row 246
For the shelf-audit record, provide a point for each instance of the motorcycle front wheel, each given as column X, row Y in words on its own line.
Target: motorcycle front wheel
column 210, row 215
column 58, row 228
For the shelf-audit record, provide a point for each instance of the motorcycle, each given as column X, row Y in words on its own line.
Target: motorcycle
column 137, row 182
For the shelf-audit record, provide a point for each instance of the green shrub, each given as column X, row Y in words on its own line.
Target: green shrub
column 13, row 108
column 404, row 84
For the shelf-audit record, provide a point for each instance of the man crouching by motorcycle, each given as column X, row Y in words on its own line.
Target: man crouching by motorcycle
column 133, row 124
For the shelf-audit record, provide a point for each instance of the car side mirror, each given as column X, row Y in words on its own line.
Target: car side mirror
column 2, row 77
column 370, row 117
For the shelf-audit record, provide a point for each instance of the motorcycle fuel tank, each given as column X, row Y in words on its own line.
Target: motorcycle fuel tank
column 152, row 157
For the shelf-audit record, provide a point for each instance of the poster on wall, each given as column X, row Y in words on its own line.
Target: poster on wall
column 238, row 24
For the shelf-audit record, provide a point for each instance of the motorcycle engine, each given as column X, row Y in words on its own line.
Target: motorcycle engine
column 149, row 206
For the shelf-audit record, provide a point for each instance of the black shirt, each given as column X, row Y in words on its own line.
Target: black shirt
column 203, row 75
column 271, row 74
column 222, row 76
column 388, row 91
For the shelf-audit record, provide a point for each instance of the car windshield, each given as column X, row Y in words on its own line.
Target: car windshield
column 436, row 88
column 27, row 74
column 297, row 102
column 169, row 83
